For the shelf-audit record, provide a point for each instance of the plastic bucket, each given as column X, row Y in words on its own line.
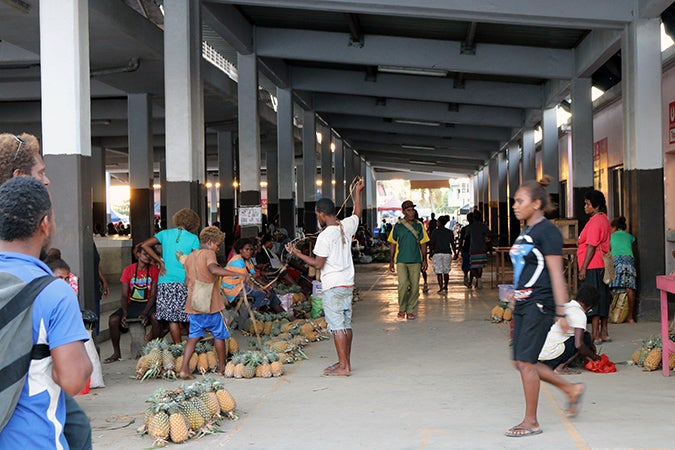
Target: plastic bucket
column 505, row 291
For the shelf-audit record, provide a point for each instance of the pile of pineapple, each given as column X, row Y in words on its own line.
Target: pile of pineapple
column 254, row 363
column 189, row 411
column 278, row 325
column 162, row 360
column 501, row 312
column 649, row 355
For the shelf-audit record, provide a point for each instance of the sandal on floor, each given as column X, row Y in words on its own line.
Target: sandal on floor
column 411, row 317
column 522, row 432
column 111, row 359
column 401, row 315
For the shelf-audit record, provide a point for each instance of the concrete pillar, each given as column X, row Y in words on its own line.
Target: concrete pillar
column 309, row 146
column 98, row 188
column 514, row 181
column 581, row 166
column 502, row 174
column 529, row 157
column 643, row 175
column 299, row 192
column 227, row 178
column 326, row 164
column 66, row 134
column 338, row 156
column 271, row 162
column 286, row 160
column 349, row 177
column 139, row 107
column 249, row 136
column 492, row 212
column 163, row 209
column 550, row 157
column 368, row 175
column 184, row 104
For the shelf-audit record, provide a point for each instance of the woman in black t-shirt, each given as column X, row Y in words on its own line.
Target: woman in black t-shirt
column 539, row 299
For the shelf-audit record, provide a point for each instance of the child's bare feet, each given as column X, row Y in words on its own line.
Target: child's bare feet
column 186, row 375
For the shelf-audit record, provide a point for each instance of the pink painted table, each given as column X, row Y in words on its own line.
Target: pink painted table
column 665, row 283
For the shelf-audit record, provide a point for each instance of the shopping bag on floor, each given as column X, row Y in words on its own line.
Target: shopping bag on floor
column 96, row 379
column 618, row 310
column 603, row 365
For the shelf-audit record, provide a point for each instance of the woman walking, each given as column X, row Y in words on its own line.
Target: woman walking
column 539, row 299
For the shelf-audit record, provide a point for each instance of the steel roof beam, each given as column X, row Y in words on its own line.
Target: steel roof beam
column 439, row 143
column 490, row 59
column 415, row 110
column 513, row 95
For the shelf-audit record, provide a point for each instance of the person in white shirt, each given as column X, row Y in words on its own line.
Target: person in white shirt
column 333, row 256
column 561, row 348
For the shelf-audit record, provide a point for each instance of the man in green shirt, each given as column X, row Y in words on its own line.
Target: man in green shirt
column 408, row 243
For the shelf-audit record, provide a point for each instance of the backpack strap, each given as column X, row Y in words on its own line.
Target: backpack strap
column 410, row 228
column 22, row 301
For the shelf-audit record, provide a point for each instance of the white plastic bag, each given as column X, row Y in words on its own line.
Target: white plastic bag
column 96, row 379
column 287, row 301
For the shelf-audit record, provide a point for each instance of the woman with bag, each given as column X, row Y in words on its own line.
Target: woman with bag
column 593, row 245
column 624, row 264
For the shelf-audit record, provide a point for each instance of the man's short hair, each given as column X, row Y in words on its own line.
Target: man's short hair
column 326, row 206
column 588, row 295
column 17, row 152
column 24, row 202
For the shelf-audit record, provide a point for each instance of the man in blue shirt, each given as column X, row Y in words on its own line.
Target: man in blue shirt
column 26, row 229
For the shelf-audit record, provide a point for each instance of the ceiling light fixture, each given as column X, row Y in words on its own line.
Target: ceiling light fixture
column 417, row 122
column 423, row 163
column 413, row 71
column 418, row 147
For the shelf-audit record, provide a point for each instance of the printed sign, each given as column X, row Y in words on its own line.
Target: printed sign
column 671, row 123
column 250, row 215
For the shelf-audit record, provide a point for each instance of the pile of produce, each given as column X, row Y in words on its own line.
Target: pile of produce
column 254, row 363
column 280, row 325
column 501, row 312
column 162, row 360
column 649, row 355
column 187, row 412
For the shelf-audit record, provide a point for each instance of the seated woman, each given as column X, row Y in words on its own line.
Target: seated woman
column 139, row 290
column 242, row 263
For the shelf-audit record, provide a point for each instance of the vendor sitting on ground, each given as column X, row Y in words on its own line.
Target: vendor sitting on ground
column 561, row 348
column 242, row 262
column 139, row 289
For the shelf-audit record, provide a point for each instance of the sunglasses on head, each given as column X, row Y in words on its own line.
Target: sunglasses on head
column 18, row 148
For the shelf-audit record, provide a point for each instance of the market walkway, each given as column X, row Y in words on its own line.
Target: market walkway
column 444, row 381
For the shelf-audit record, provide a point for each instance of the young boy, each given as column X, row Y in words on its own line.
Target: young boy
column 561, row 348
column 202, row 265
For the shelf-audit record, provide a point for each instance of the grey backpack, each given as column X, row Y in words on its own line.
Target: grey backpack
column 16, row 338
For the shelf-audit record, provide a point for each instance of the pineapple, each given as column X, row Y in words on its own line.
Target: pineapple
column 508, row 314
column 159, row 427
column 179, row 429
column 671, row 360
column 264, row 369
column 653, row 359
column 279, row 346
column 142, row 366
column 202, row 363
column 267, row 327
column 168, row 363
column 203, row 409
column 232, row 345
column 497, row 313
column 644, row 352
column 312, row 336
column 194, row 418
column 229, row 369
column 238, row 365
column 192, row 364
column 179, row 362
column 277, row 369
column 225, row 399
column 306, row 329
column 212, row 359
column 250, row 363
column 211, row 401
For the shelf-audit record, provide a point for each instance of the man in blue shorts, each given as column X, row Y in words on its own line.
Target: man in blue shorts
column 333, row 256
column 26, row 229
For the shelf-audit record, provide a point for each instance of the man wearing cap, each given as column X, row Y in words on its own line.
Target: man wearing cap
column 408, row 240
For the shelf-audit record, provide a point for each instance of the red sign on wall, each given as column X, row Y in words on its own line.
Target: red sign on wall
column 671, row 123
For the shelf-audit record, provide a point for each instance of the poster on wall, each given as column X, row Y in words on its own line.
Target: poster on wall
column 600, row 161
column 671, row 123
column 250, row 215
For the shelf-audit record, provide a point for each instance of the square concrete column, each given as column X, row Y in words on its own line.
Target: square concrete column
column 349, row 178
column 272, row 164
column 514, row 181
column 491, row 214
column 503, row 209
column 529, row 158
column 581, row 166
column 66, row 134
column 309, row 147
column 643, row 176
column 338, row 156
column 285, row 160
column 550, row 157
column 249, row 136
column 184, row 104
column 98, row 189
column 226, row 175
column 141, row 173
column 326, row 163
column 299, row 192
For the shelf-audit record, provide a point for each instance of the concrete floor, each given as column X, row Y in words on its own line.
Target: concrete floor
column 443, row 381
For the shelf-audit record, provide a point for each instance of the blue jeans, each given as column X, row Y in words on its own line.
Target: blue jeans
column 77, row 429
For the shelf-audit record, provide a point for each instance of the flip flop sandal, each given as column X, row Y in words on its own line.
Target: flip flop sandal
column 576, row 404
column 522, row 432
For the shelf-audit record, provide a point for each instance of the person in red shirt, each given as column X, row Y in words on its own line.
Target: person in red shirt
column 139, row 289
